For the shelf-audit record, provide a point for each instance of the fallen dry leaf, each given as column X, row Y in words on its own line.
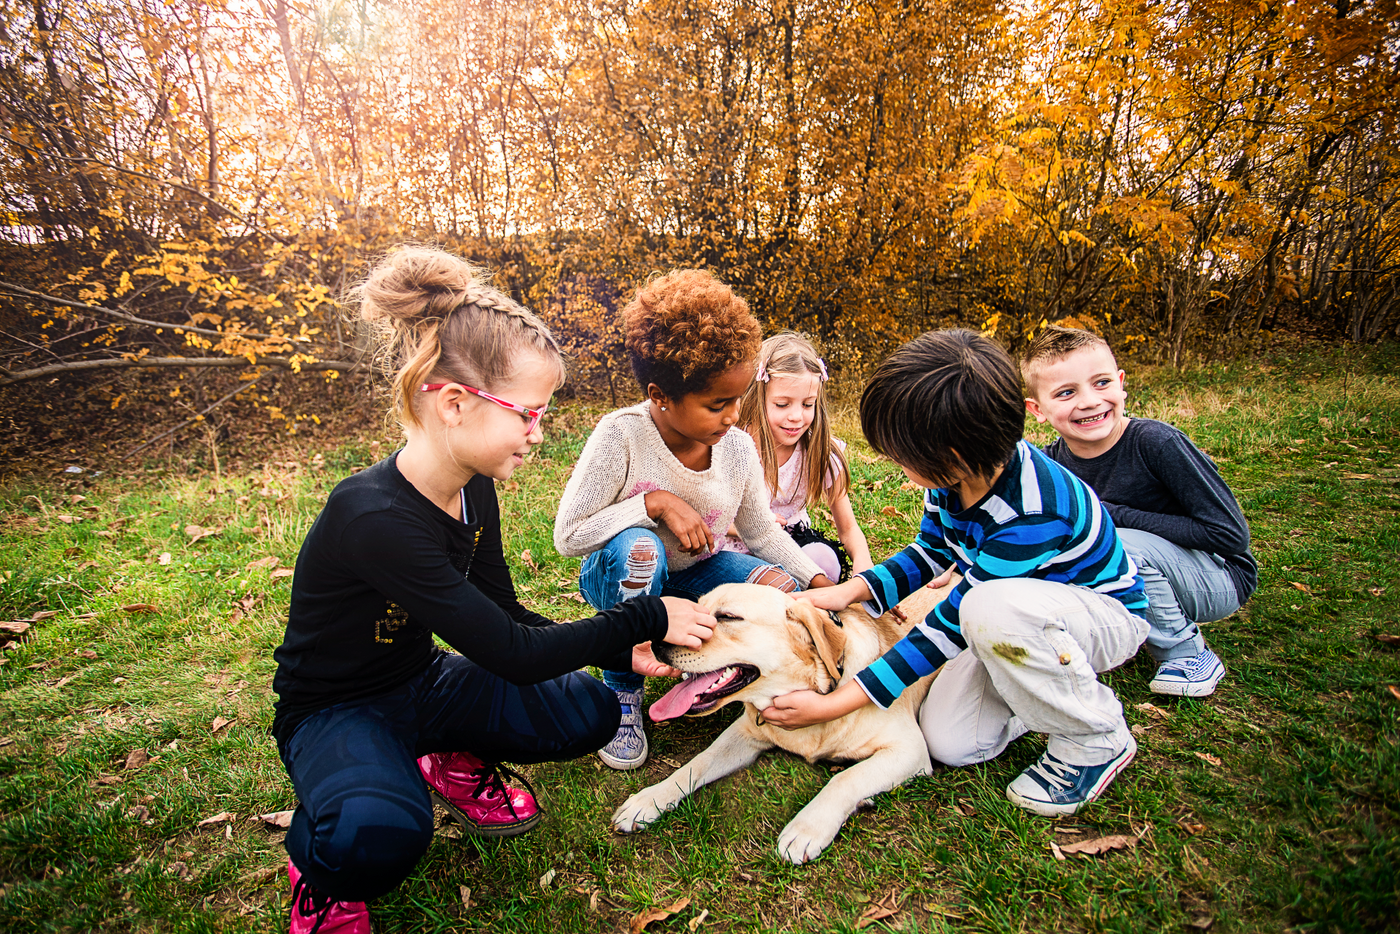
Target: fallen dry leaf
column 578, row 597
column 164, row 558
column 279, row 819
column 140, row 608
column 1192, row 827
column 109, row 779
column 1387, row 638
column 72, row 552
column 43, row 614
column 1137, row 729
column 1303, row 587
column 283, row 572
column 547, row 878
column 271, row 561
column 593, row 901
column 1345, row 476
column 909, row 485
column 639, row 923
column 69, row 520
column 884, row 908
column 220, row 723
column 1201, row 922
column 16, row 626
column 698, row 920
column 1375, row 591
column 179, row 870
column 466, row 894
column 1099, row 845
column 218, row 818
column 135, row 759
column 85, row 566
column 671, row 762
column 1157, row 713
column 1394, row 690
column 1207, row 757
column 1059, row 853
column 529, row 560
column 197, row 532
column 890, row 511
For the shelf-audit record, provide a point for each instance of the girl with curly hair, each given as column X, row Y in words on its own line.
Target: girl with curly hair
column 659, row 483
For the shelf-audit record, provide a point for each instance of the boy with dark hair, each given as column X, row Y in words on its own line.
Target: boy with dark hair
column 1048, row 598
column 1176, row 517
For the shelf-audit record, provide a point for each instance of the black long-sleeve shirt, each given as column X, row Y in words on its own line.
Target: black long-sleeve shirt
column 1156, row 480
column 383, row 569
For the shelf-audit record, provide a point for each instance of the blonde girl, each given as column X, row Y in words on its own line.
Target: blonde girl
column 785, row 412
column 373, row 720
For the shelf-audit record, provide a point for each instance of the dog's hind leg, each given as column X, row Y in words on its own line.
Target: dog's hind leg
column 735, row 749
column 816, row 825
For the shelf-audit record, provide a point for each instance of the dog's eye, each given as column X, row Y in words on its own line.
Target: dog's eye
column 723, row 615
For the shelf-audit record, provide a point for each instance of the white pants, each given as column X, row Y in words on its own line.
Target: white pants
column 1034, row 652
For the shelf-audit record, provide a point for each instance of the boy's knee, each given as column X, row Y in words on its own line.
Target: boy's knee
column 952, row 750
column 771, row 576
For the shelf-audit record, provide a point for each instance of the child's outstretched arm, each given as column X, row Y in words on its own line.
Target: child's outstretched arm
column 848, row 530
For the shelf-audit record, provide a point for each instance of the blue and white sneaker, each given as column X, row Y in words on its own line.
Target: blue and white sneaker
column 1189, row 677
column 1053, row 788
column 628, row 748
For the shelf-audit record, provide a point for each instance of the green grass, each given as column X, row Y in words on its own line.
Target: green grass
column 1296, row 828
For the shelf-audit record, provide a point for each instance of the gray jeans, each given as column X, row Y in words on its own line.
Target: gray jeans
column 1184, row 588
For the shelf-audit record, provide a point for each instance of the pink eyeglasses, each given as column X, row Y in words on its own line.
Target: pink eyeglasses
column 532, row 416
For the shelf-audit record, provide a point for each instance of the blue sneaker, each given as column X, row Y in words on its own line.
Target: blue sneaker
column 1189, row 677
column 1053, row 788
column 628, row 748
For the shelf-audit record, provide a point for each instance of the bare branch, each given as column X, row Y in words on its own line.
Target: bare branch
column 20, row 291
column 20, row 376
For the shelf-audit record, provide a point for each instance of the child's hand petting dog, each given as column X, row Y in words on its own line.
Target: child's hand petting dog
column 806, row 708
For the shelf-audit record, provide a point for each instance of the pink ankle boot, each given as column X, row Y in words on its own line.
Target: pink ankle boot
column 476, row 796
column 314, row 912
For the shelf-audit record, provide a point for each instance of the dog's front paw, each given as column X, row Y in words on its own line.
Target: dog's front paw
column 803, row 840
column 639, row 811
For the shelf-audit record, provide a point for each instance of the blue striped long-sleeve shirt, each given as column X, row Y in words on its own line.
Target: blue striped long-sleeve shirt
column 1038, row 521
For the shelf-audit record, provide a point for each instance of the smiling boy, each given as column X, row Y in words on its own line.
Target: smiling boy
column 1175, row 515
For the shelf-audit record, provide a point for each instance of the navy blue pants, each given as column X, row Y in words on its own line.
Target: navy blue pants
column 365, row 818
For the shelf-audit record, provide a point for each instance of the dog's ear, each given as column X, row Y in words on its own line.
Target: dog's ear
column 829, row 638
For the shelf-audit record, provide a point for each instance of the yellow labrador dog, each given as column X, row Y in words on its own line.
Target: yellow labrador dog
column 767, row 644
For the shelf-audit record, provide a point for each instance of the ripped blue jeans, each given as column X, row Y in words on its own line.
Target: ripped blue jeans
column 634, row 563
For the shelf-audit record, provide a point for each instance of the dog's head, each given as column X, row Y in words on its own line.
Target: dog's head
column 765, row 644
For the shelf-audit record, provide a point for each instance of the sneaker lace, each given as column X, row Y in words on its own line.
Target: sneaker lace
column 490, row 782
column 310, row 902
column 1063, row 773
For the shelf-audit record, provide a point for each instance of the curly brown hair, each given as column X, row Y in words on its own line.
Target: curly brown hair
column 684, row 328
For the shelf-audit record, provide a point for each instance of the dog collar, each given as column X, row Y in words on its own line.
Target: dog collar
column 835, row 619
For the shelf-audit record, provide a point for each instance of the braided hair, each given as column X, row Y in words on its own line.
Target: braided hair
column 437, row 320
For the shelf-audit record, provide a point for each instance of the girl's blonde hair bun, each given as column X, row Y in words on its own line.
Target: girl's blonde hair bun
column 437, row 320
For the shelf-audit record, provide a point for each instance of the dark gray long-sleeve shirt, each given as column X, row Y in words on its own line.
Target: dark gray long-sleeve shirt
column 1156, row 480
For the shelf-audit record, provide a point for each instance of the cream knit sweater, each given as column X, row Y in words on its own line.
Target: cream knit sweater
column 625, row 459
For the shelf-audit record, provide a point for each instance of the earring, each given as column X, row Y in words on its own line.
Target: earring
column 663, row 408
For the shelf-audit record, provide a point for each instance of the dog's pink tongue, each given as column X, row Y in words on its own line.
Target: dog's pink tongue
column 677, row 701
